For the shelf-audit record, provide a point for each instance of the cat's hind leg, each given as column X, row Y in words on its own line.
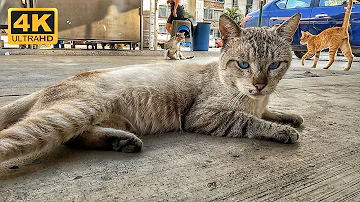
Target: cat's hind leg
column 346, row 50
column 181, row 56
column 107, row 139
column 317, row 55
column 332, row 52
column 43, row 130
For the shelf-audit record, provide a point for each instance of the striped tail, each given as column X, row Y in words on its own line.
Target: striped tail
column 346, row 21
column 16, row 110
column 45, row 129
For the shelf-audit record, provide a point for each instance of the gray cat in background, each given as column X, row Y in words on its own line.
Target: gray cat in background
column 110, row 108
column 172, row 47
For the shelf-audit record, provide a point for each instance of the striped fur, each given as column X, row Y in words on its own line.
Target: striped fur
column 110, row 108
column 332, row 38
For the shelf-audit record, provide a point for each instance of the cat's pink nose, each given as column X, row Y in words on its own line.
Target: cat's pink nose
column 260, row 86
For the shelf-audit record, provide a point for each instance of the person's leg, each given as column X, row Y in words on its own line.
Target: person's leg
column 168, row 27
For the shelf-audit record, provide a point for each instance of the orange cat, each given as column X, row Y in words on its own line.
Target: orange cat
column 332, row 38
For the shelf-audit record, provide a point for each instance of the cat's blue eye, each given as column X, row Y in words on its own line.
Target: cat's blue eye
column 243, row 65
column 274, row 65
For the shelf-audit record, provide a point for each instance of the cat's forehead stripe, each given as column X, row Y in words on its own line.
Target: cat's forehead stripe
column 262, row 43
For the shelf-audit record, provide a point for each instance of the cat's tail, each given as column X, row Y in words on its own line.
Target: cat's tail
column 44, row 129
column 190, row 57
column 346, row 21
column 16, row 110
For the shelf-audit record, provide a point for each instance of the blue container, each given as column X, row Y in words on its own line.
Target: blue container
column 201, row 36
column 60, row 44
column 187, row 44
column 184, row 29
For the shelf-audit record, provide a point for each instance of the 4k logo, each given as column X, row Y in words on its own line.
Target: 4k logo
column 33, row 25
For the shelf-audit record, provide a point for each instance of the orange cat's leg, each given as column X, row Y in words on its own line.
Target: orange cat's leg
column 307, row 55
column 332, row 53
column 317, row 55
column 346, row 50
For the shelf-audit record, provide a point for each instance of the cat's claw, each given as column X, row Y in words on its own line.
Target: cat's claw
column 128, row 146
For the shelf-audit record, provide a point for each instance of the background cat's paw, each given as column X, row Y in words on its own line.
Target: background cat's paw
column 128, row 146
column 288, row 135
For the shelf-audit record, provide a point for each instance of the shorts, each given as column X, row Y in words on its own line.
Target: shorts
column 180, row 12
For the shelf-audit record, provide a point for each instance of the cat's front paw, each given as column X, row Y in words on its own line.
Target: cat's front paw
column 288, row 135
column 294, row 120
column 130, row 145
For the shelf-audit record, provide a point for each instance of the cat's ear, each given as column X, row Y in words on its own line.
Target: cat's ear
column 228, row 28
column 288, row 28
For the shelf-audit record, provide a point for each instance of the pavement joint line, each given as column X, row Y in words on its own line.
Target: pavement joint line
column 15, row 95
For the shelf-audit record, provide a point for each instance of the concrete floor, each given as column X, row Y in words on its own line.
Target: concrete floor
column 323, row 165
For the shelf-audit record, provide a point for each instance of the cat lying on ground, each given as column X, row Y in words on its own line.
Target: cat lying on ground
column 111, row 108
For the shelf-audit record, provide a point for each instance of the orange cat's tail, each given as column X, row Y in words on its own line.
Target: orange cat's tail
column 347, row 15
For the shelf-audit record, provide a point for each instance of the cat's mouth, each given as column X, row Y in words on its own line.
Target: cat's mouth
column 256, row 94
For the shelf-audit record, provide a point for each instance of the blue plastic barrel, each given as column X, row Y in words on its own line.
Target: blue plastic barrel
column 201, row 36
column 184, row 29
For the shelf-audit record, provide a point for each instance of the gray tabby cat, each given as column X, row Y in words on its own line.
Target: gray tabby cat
column 110, row 108
column 172, row 47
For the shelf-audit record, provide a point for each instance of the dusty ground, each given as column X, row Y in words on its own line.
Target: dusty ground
column 323, row 165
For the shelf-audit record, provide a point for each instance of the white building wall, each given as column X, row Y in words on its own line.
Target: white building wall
column 228, row 4
column 256, row 4
column 190, row 7
column 199, row 15
column 242, row 6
